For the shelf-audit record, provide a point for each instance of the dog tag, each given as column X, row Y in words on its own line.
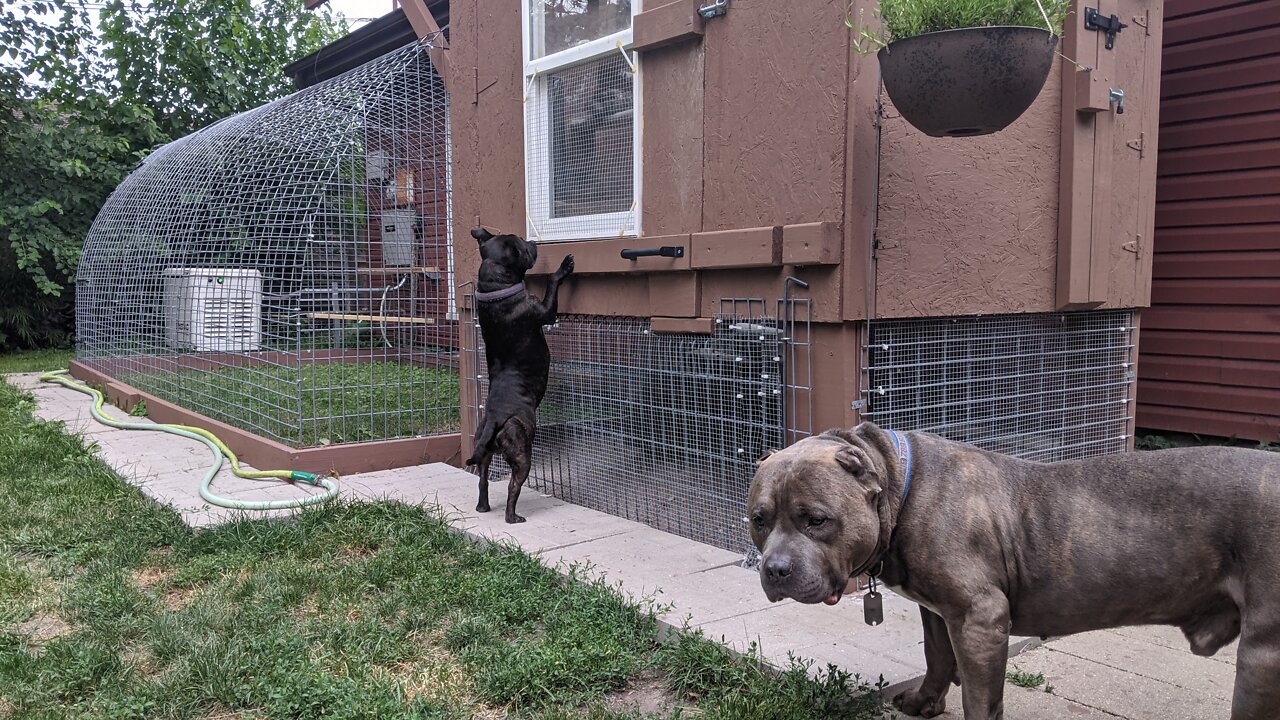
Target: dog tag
column 873, row 608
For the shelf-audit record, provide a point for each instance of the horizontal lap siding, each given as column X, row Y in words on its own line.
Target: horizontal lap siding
column 1210, row 350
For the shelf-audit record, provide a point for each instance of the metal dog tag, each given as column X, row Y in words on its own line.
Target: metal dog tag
column 873, row 608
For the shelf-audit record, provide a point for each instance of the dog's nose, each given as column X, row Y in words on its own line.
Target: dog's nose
column 777, row 568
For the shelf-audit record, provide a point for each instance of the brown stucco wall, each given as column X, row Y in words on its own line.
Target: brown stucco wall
column 969, row 225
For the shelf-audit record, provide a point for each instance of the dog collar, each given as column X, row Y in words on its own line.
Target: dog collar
column 502, row 294
column 903, row 447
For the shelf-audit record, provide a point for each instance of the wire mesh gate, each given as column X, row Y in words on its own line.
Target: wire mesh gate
column 1045, row 387
column 665, row 429
column 288, row 270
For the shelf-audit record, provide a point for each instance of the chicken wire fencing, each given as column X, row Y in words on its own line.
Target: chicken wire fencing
column 1045, row 387
column 665, row 429
column 288, row 270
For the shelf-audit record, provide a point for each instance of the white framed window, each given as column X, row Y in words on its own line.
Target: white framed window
column 581, row 119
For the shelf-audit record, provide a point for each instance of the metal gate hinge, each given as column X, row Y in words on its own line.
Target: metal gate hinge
column 1143, row 22
column 1093, row 20
column 1140, row 144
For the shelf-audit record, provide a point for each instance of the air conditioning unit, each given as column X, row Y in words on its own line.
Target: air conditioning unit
column 213, row 309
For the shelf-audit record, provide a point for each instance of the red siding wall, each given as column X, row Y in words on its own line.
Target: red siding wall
column 1210, row 349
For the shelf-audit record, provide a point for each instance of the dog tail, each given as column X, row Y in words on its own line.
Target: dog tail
column 484, row 436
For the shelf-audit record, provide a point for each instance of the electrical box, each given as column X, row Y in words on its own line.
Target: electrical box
column 397, row 238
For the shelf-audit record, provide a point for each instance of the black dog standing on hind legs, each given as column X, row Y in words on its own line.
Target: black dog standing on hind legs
column 511, row 321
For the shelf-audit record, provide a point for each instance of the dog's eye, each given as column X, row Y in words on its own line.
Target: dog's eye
column 816, row 522
column 758, row 521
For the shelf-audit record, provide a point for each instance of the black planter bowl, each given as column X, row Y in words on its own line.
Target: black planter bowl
column 965, row 82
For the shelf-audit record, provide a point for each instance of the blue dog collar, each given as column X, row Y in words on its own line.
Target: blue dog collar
column 903, row 447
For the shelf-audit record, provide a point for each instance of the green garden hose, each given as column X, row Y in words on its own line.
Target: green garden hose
column 218, row 448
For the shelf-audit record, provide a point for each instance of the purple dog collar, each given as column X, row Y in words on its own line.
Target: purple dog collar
column 502, row 294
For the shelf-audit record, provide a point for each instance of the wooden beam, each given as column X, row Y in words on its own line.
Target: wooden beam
column 391, row 319
column 425, row 25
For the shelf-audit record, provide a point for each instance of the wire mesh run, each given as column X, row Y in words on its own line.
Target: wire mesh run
column 662, row 429
column 1045, row 387
column 288, row 270
column 580, row 150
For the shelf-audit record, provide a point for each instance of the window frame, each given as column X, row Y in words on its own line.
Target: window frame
column 538, row 221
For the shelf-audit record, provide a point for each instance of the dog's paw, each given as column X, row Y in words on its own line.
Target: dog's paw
column 513, row 519
column 482, row 507
column 911, row 702
column 566, row 266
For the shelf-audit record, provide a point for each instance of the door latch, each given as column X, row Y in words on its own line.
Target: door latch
column 1093, row 20
column 1116, row 97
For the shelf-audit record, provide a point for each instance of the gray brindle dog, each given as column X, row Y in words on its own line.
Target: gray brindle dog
column 990, row 546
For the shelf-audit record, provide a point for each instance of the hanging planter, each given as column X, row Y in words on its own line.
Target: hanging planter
column 968, row 81
column 959, row 68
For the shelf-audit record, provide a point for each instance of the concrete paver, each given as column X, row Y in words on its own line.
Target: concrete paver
column 1133, row 673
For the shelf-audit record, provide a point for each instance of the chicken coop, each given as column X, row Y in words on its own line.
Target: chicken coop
column 765, row 248
column 287, row 274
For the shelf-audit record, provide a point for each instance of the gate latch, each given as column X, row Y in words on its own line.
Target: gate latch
column 1093, row 20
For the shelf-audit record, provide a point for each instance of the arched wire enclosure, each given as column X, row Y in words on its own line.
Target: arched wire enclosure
column 288, row 270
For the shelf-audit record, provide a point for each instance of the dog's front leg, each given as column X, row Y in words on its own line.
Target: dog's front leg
column 980, row 638
column 930, row 698
column 550, row 303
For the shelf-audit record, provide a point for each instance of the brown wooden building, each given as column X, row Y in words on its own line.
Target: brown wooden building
column 1210, row 359
column 831, row 263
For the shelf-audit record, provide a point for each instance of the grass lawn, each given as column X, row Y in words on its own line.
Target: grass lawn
column 324, row 403
column 35, row 361
column 111, row 608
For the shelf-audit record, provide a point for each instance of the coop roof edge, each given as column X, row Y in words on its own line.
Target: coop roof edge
column 373, row 40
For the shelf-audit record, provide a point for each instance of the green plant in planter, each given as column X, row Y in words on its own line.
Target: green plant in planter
column 960, row 68
column 901, row 19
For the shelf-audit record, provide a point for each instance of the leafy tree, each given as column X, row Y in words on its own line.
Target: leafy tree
column 86, row 90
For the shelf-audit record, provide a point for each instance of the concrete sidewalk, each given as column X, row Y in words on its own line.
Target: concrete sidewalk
column 1130, row 673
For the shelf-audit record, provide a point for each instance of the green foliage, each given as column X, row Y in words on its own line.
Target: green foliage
column 1025, row 679
column 80, row 107
column 898, row 19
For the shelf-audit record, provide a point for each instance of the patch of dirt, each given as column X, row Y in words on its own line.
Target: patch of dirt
column 41, row 628
column 7, row 710
column 646, row 694
column 148, row 577
column 140, row 657
column 348, row 554
column 157, row 581
column 436, row 675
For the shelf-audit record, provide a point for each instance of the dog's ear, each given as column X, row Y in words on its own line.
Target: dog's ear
column 482, row 235
column 851, row 460
column 857, row 464
column 765, row 455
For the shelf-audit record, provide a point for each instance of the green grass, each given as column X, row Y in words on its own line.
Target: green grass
column 907, row 18
column 111, row 608
column 35, row 361
column 324, row 403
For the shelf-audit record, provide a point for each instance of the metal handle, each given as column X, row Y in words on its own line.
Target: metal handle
column 671, row 251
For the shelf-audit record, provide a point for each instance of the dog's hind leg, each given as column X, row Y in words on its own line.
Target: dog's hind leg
column 482, row 462
column 516, row 441
column 1257, row 690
